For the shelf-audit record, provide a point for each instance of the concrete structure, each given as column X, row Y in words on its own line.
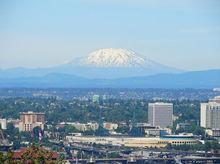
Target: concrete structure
column 30, row 120
column 210, row 114
column 95, row 98
column 215, row 99
column 185, row 126
column 3, row 123
column 153, row 130
column 82, row 127
column 110, row 126
column 149, row 130
column 160, row 114
column 135, row 141
column 213, row 132
column 15, row 122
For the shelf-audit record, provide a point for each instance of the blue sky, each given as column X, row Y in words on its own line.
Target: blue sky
column 183, row 34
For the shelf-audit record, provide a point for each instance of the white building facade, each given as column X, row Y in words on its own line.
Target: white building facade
column 3, row 123
column 210, row 114
column 30, row 120
column 160, row 114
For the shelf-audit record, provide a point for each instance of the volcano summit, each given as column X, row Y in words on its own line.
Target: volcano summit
column 112, row 57
column 108, row 68
column 105, row 63
column 116, row 63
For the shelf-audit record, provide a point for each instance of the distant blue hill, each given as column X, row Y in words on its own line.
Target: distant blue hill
column 101, row 64
column 198, row 79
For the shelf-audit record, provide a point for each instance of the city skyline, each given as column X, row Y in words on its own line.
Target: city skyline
column 109, row 81
column 181, row 34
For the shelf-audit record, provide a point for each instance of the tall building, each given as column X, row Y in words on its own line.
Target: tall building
column 215, row 99
column 3, row 123
column 160, row 114
column 95, row 98
column 30, row 120
column 210, row 114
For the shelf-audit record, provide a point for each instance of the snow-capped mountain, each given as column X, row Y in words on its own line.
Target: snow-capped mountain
column 109, row 68
column 106, row 63
column 113, row 57
column 116, row 63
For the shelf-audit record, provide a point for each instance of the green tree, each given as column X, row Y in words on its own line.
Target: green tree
column 9, row 157
column 2, row 157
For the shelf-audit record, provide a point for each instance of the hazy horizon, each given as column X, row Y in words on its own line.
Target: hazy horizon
column 181, row 34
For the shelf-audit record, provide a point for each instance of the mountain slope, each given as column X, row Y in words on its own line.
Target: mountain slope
column 102, row 64
column 111, row 57
column 112, row 63
column 200, row 79
column 194, row 79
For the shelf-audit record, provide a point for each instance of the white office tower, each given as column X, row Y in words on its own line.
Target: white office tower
column 3, row 123
column 210, row 114
column 160, row 114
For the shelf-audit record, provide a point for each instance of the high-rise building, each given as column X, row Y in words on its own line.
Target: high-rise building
column 215, row 99
column 3, row 123
column 160, row 114
column 210, row 114
column 30, row 120
column 95, row 98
